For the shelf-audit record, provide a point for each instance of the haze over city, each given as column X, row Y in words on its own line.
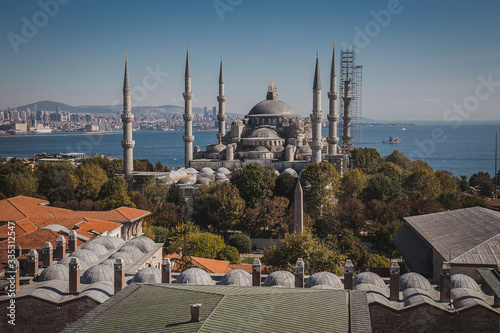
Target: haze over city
column 419, row 58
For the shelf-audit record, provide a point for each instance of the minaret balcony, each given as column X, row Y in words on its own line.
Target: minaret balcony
column 126, row 144
column 188, row 95
column 221, row 99
column 316, row 118
column 333, row 95
column 127, row 117
column 188, row 117
column 333, row 117
column 316, row 145
column 188, row 138
column 221, row 117
column 333, row 141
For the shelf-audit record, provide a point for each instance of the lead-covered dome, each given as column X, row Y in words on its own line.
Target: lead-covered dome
column 270, row 107
column 280, row 279
column 464, row 281
column 109, row 242
column 148, row 275
column 264, row 133
column 369, row 278
column 98, row 249
column 237, row 277
column 143, row 243
column 414, row 280
column 98, row 273
column 55, row 272
column 86, row 256
column 195, row 276
column 323, row 280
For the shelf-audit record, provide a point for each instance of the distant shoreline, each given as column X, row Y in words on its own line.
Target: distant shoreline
column 59, row 134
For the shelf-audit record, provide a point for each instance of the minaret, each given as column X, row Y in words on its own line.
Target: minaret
column 221, row 117
column 188, row 115
column 346, row 137
column 333, row 117
column 127, row 119
column 316, row 116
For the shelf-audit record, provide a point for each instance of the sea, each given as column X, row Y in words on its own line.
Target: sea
column 462, row 150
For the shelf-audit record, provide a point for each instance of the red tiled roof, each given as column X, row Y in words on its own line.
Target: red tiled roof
column 36, row 239
column 209, row 265
column 493, row 202
column 132, row 214
column 26, row 225
column 98, row 225
column 246, row 267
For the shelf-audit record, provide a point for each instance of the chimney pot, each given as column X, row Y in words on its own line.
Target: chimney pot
column 445, row 283
column 60, row 247
column 166, row 271
column 196, row 312
column 299, row 273
column 256, row 272
column 32, row 268
column 348, row 273
column 72, row 240
column 47, row 254
column 74, row 275
column 394, row 283
column 119, row 268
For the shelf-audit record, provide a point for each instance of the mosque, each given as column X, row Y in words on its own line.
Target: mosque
column 272, row 133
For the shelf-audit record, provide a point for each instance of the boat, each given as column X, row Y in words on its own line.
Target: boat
column 41, row 130
column 393, row 139
column 403, row 129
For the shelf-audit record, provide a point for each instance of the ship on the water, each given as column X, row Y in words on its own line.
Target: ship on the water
column 393, row 139
column 41, row 130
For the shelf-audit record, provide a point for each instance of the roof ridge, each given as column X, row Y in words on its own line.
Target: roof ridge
column 9, row 201
column 475, row 247
column 211, row 313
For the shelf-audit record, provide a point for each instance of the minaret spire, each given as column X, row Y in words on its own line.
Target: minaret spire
column 316, row 116
column 127, row 119
column 188, row 114
column 332, row 114
column 221, row 117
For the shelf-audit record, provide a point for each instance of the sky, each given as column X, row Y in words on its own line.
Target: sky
column 422, row 60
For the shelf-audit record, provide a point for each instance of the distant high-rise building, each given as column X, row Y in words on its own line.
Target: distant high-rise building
column 57, row 108
column 214, row 112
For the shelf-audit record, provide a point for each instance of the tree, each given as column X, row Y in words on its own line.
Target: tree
column 56, row 177
column 381, row 238
column 85, row 190
column 449, row 184
column 350, row 215
column 427, row 206
column 17, row 179
column 254, row 182
column 159, row 166
column 321, row 185
column 230, row 254
column 352, row 184
column 390, row 170
column 110, row 166
column 139, row 200
column 285, row 186
column 116, row 201
column 483, row 182
column 463, row 184
column 155, row 189
column 450, row 201
column 241, row 242
column 115, row 185
column 174, row 194
column 366, row 159
column 422, row 185
column 473, row 201
column 268, row 217
column 199, row 244
column 166, row 215
column 93, row 176
column 382, row 213
column 421, row 165
column 380, row 187
column 399, row 159
column 316, row 255
column 143, row 165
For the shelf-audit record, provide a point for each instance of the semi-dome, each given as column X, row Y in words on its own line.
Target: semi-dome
column 86, row 256
column 260, row 149
column 270, row 107
column 413, row 280
column 126, row 257
column 98, row 249
column 324, row 279
column 148, row 275
column 464, row 281
column 264, row 133
column 369, row 278
column 143, row 243
column 65, row 262
column 237, row 277
column 206, row 171
column 108, row 242
column 134, row 252
column 195, row 276
column 280, row 279
column 98, row 273
column 304, row 150
column 55, row 272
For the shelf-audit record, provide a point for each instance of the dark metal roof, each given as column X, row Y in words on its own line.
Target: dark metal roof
column 166, row 308
column 492, row 279
column 470, row 235
column 272, row 107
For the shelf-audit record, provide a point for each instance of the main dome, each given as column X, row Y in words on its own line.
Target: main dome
column 271, row 107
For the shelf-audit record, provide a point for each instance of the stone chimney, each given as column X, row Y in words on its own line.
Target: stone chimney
column 119, row 274
column 74, row 275
column 445, row 283
column 179, row 252
column 196, row 312
column 348, row 273
column 72, row 237
column 18, row 250
column 47, row 254
column 166, row 271
column 256, row 272
column 394, row 284
column 32, row 267
column 13, row 273
column 299, row 273
column 60, row 248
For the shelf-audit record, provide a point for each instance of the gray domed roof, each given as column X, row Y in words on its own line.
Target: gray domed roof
column 224, row 171
column 206, row 171
column 290, row 171
column 264, row 133
column 464, row 281
column 98, row 249
column 109, row 242
column 195, row 276
column 280, row 279
column 126, row 257
column 55, row 272
column 108, row 262
column 148, row 275
column 272, row 107
column 98, row 273
column 143, row 243
column 186, row 181
column 203, row 180
column 174, row 174
column 182, row 172
column 83, row 264
column 99, row 291
column 192, row 171
column 326, row 279
column 237, row 277
column 413, row 280
column 134, row 252
column 217, row 148
column 220, row 175
column 261, row 149
column 86, row 256
column 304, row 150
column 369, row 278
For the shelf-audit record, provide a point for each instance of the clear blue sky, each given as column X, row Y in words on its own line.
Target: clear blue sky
column 425, row 58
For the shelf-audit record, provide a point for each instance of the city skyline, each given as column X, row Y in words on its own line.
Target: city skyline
column 421, row 61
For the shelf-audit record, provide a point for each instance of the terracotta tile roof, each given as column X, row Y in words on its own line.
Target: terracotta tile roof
column 246, row 267
column 21, row 227
column 26, row 225
column 17, row 208
column 77, row 214
column 132, row 214
column 493, row 202
column 98, row 225
column 209, row 265
column 36, row 239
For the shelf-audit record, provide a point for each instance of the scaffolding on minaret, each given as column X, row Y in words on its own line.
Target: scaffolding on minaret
column 349, row 71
